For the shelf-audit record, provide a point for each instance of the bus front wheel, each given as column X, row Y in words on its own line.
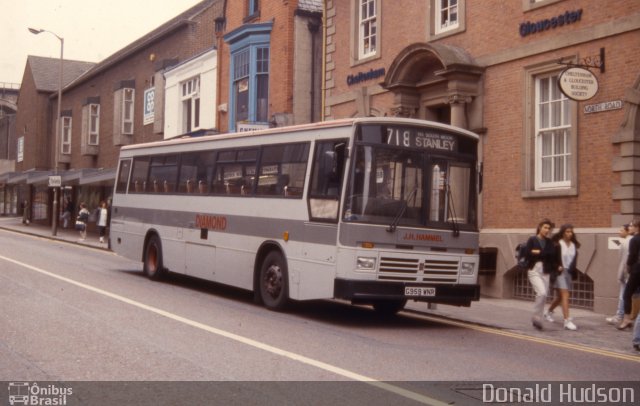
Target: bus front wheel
column 274, row 290
column 153, row 266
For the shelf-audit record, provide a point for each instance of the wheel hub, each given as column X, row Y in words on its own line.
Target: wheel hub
column 273, row 279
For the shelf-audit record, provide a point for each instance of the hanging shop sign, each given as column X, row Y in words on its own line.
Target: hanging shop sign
column 578, row 84
column 604, row 106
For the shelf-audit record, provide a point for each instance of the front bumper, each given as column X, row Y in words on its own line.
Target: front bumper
column 367, row 291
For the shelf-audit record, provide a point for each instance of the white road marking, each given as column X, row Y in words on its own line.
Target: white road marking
column 244, row 340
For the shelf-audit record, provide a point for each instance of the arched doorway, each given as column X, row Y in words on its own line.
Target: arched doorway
column 436, row 82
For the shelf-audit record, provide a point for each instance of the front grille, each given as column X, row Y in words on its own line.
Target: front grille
column 430, row 269
column 442, row 271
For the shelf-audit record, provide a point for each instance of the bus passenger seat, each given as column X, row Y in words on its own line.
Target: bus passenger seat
column 202, row 187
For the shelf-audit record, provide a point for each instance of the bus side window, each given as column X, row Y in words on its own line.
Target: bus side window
column 282, row 170
column 123, row 176
column 326, row 179
column 139, row 174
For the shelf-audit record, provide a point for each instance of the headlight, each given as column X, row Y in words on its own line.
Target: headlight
column 365, row 264
column 467, row 268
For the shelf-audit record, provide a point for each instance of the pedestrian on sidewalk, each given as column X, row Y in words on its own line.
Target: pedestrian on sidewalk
column 81, row 221
column 626, row 232
column 26, row 212
column 543, row 259
column 567, row 243
column 103, row 214
column 633, row 266
column 68, row 212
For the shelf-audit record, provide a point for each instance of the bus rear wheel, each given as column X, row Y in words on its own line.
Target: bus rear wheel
column 389, row 307
column 274, row 289
column 153, row 265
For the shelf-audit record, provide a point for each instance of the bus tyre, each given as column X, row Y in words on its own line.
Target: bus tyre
column 274, row 289
column 153, row 266
column 389, row 307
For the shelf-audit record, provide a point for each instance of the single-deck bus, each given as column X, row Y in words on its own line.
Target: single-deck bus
column 371, row 210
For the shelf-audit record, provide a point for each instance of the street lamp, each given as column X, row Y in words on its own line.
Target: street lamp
column 54, row 209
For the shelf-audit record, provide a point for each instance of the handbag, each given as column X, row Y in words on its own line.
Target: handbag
column 80, row 226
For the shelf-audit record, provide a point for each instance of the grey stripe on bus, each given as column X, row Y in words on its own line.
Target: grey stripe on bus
column 267, row 228
column 351, row 234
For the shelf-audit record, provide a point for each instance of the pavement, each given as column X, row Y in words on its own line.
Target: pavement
column 509, row 317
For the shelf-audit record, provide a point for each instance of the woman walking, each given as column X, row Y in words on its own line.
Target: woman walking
column 82, row 220
column 633, row 266
column 568, row 244
column 543, row 259
column 102, row 220
column 625, row 234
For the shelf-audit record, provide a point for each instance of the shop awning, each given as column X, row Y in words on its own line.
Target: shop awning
column 85, row 176
column 39, row 178
column 19, row 177
column 102, row 177
column 5, row 177
column 73, row 176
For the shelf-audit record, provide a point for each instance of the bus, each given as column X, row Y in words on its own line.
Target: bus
column 374, row 211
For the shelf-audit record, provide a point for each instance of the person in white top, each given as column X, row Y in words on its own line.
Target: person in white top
column 625, row 235
column 102, row 220
column 568, row 245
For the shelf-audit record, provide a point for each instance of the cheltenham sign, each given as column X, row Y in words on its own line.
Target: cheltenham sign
column 578, row 84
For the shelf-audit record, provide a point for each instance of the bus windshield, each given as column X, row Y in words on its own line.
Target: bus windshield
column 415, row 187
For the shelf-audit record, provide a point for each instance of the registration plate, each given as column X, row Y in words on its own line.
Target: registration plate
column 419, row 291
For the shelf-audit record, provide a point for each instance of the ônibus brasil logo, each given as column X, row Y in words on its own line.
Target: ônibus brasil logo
column 25, row 393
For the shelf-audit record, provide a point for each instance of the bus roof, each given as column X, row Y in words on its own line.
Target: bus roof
column 345, row 122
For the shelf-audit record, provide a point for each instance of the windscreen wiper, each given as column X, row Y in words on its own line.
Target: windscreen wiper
column 403, row 207
column 452, row 213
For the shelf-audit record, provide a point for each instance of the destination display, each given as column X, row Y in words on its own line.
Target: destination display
column 430, row 139
column 418, row 138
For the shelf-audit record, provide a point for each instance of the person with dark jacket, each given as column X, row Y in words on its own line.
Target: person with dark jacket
column 568, row 245
column 543, row 261
column 633, row 267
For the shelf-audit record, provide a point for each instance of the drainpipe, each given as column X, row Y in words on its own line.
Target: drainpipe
column 324, row 59
column 313, row 26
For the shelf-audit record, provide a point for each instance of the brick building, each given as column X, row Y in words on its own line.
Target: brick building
column 8, row 147
column 33, row 143
column 270, row 64
column 115, row 102
column 495, row 72
column 176, row 80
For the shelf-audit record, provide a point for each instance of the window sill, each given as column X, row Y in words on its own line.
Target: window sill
column 529, row 6
column 537, row 194
column 251, row 17
column 361, row 61
column 447, row 33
